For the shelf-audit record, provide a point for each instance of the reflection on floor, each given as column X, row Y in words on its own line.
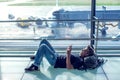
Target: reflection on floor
column 13, row 69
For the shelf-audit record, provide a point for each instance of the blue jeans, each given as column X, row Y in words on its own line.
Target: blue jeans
column 45, row 49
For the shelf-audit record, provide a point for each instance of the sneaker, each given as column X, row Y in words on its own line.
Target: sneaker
column 32, row 68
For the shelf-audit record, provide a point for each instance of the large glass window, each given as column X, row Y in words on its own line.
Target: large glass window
column 60, row 19
column 55, row 19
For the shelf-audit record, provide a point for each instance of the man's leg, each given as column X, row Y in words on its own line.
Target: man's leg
column 43, row 50
column 44, row 41
column 49, row 54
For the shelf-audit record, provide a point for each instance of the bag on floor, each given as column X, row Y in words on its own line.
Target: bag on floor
column 92, row 62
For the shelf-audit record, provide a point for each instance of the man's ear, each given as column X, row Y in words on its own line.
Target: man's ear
column 90, row 47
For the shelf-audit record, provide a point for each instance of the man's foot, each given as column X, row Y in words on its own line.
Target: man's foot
column 32, row 68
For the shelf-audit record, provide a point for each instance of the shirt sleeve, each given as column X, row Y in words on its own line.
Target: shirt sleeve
column 77, row 62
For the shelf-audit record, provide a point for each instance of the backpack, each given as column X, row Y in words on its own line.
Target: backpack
column 92, row 62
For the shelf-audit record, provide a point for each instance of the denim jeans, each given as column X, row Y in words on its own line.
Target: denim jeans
column 45, row 49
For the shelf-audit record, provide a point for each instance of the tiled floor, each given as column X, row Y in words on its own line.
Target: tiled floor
column 13, row 69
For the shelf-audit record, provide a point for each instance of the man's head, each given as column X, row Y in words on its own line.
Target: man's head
column 87, row 51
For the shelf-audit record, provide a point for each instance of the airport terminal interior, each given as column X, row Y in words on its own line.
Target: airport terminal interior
column 24, row 23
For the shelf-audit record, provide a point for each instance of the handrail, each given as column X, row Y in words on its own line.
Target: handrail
column 1, row 21
column 29, row 55
column 63, row 39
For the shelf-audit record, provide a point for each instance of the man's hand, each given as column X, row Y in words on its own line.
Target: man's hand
column 68, row 63
column 69, row 49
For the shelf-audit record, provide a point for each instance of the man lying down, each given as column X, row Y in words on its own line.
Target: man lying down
column 87, row 59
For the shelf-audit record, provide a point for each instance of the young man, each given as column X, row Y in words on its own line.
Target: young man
column 68, row 61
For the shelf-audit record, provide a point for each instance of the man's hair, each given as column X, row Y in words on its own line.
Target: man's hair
column 90, row 50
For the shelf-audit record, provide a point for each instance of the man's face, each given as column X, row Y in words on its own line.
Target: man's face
column 84, row 52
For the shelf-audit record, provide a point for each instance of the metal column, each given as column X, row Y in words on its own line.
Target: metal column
column 93, row 11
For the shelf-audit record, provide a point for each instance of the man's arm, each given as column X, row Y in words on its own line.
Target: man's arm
column 68, row 63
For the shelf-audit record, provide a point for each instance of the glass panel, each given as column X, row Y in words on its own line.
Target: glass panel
column 108, row 29
column 108, row 2
column 109, row 13
column 65, row 20
column 60, row 19
column 108, row 26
